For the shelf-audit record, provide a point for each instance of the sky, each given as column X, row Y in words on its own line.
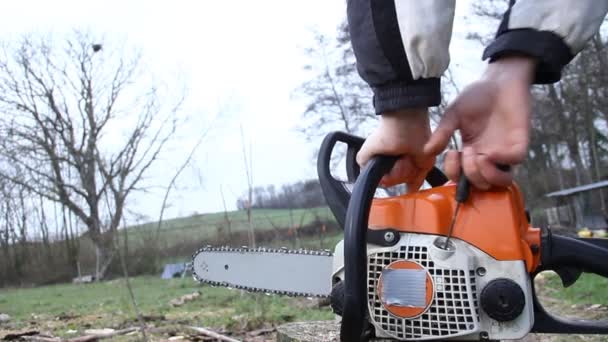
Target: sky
column 241, row 62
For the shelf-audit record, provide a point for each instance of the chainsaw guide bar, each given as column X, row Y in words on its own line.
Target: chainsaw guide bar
column 278, row 271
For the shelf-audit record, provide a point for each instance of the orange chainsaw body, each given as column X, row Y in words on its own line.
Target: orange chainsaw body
column 493, row 221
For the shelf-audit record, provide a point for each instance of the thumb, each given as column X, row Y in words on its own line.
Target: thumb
column 441, row 137
column 366, row 152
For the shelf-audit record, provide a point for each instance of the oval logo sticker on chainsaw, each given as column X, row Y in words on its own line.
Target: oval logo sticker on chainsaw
column 405, row 289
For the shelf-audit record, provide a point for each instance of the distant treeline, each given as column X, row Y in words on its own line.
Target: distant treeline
column 302, row 194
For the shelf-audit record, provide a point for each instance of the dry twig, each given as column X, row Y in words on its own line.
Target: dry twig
column 212, row 334
column 95, row 337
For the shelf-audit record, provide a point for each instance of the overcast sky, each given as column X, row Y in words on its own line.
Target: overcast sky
column 241, row 60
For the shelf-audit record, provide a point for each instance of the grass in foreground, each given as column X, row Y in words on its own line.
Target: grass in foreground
column 586, row 299
column 62, row 308
column 590, row 289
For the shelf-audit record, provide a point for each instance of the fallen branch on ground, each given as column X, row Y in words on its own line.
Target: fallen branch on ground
column 262, row 331
column 40, row 338
column 95, row 337
column 213, row 334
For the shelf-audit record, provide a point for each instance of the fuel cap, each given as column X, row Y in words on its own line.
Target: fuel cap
column 503, row 299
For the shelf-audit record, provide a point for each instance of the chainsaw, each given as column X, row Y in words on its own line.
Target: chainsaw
column 445, row 263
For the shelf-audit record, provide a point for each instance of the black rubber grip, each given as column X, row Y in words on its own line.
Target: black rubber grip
column 334, row 192
column 463, row 188
column 559, row 253
column 355, row 247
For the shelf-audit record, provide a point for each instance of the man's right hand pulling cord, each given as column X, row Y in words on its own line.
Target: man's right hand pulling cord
column 493, row 116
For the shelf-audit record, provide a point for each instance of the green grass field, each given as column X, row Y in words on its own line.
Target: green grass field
column 76, row 307
column 206, row 226
column 588, row 290
column 586, row 299
column 62, row 308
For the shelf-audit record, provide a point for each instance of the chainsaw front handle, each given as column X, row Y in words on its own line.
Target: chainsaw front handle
column 355, row 247
column 336, row 194
column 568, row 257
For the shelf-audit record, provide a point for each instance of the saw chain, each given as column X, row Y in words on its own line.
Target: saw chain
column 246, row 252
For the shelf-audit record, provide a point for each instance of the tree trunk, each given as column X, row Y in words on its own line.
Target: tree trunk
column 104, row 253
column 250, row 223
column 71, row 242
column 226, row 218
column 589, row 115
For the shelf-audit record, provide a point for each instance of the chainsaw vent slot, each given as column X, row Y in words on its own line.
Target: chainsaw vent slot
column 453, row 311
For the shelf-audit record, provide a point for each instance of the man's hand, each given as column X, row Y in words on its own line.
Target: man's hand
column 404, row 134
column 493, row 115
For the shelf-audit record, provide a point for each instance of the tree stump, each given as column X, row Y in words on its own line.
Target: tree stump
column 326, row 331
column 329, row 331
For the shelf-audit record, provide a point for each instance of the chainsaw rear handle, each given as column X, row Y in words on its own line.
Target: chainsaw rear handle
column 355, row 248
column 568, row 257
column 588, row 255
column 336, row 195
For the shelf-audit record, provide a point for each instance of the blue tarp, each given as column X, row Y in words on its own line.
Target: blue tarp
column 173, row 270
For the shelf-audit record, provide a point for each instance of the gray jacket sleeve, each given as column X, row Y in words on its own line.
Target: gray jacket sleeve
column 401, row 47
column 553, row 31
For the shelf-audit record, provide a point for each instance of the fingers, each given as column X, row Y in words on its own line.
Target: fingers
column 491, row 173
column 482, row 172
column 472, row 170
column 451, row 165
column 513, row 154
column 423, row 164
column 443, row 133
column 410, row 168
column 366, row 152
column 402, row 172
column 415, row 184
column 374, row 146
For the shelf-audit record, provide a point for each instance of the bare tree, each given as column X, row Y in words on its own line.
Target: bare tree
column 338, row 99
column 249, row 174
column 226, row 217
column 78, row 127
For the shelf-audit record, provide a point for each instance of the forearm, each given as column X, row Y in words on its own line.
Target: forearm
column 550, row 31
column 401, row 49
column 518, row 68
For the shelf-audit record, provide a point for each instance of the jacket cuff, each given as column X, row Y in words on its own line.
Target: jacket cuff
column 411, row 94
column 549, row 48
